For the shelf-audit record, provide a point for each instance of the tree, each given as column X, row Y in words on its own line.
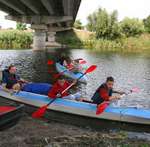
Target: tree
column 104, row 24
column 132, row 27
column 147, row 24
column 21, row 26
column 92, row 20
column 78, row 24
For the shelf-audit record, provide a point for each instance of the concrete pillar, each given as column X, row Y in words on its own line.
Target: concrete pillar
column 52, row 40
column 39, row 39
column 51, row 36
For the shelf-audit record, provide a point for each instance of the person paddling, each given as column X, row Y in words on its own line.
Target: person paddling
column 70, row 64
column 59, row 87
column 105, row 91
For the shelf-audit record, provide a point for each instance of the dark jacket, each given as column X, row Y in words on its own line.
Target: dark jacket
column 102, row 94
column 9, row 79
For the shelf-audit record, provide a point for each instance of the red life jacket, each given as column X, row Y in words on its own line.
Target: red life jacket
column 102, row 94
column 70, row 66
column 58, row 89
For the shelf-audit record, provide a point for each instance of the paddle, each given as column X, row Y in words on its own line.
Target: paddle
column 50, row 62
column 59, row 74
column 101, row 107
column 41, row 111
column 89, row 70
column 81, row 61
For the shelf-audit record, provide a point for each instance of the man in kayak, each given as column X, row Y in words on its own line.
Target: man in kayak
column 59, row 87
column 105, row 91
column 11, row 82
column 10, row 78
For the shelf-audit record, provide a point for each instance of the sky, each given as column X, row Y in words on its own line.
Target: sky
column 126, row 8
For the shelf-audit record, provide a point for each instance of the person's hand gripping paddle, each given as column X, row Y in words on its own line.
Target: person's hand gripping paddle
column 101, row 107
column 41, row 111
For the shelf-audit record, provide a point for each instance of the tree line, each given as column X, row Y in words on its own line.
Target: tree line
column 106, row 25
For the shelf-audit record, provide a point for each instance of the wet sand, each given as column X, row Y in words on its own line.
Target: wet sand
column 40, row 133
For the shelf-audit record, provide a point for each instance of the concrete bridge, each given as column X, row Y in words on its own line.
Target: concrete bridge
column 45, row 17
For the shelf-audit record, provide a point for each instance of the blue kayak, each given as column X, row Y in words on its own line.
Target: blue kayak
column 82, row 109
column 70, row 74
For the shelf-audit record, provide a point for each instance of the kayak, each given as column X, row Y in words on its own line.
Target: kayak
column 9, row 116
column 70, row 74
column 84, row 114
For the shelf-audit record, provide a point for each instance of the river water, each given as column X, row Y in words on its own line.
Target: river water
column 129, row 70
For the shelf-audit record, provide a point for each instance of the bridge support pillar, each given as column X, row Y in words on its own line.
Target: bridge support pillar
column 51, row 36
column 39, row 39
column 52, row 40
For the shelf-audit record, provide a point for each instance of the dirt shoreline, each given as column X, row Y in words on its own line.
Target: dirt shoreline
column 38, row 133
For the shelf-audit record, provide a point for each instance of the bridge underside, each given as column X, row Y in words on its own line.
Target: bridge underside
column 43, row 15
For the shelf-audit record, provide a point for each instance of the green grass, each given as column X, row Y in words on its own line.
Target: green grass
column 131, row 44
column 14, row 39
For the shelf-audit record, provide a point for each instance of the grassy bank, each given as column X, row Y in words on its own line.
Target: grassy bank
column 85, row 39
column 74, row 38
column 14, row 39
column 131, row 44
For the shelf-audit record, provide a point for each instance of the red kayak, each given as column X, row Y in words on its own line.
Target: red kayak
column 9, row 116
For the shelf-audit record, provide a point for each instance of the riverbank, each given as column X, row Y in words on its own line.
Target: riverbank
column 85, row 39
column 77, row 39
column 38, row 133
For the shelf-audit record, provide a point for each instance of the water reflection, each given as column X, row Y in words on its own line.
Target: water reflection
column 129, row 70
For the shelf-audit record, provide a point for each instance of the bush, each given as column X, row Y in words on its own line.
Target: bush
column 14, row 39
column 147, row 24
column 132, row 27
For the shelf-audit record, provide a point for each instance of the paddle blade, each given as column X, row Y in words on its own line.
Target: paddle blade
column 50, row 62
column 90, row 69
column 101, row 107
column 135, row 89
column 40, row 112
column 82, row 62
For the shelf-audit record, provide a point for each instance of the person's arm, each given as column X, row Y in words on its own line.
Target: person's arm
column 53, row 91
column 104, row 95
column 118, row 92
column 23, row 81
column 4, row 83
column 65, row 63
column 5, row 89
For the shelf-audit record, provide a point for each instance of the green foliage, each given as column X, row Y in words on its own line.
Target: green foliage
column 104, row 45
column 92, row 21
column 78, row 25
column 130, row 44
column 147, row 24
column 132, row 27
column 69, row 38
column 14, row 39
column 21, row 26
column 105, row 25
